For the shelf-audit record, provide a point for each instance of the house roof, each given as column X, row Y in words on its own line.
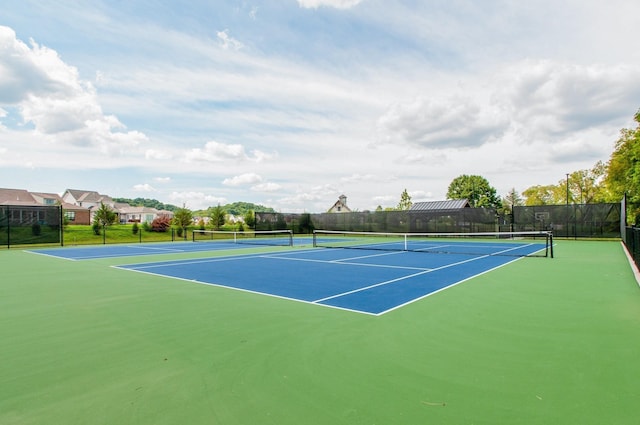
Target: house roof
column 128, row 209
column 16, row 197
column 89, row 196
column 450, row 204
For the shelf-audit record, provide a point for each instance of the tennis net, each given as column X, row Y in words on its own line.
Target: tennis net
column 265, row 237
column 518, row 244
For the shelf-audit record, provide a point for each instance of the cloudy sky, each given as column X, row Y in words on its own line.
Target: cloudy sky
column 290, row 103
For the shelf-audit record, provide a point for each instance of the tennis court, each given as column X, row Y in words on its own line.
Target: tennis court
column 522, row 341
column 208, row 241
column 371, row 280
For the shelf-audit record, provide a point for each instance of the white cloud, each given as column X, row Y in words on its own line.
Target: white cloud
column 163, row 180
column 145, row 187
column 218, row 152
column 242, row 179
column 196, row 200
column 228, row 42
column 50, row 95
column 266, row 187
column 383, row 200
column 357, row 177
column 552, row 98
column 442, row 122
column 338, row 4
column 154, row 154
column 420, row 195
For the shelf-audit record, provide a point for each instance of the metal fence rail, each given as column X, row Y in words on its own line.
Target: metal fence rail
column 632, row 242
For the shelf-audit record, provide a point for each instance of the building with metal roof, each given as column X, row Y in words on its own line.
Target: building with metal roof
column 448, row 205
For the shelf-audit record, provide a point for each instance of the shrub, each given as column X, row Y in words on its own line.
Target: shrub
column 36, row 229
column 135, row 228
column 160, row 224
column 96, row 228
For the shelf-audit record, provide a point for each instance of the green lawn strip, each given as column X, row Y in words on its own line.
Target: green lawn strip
column 538, row 341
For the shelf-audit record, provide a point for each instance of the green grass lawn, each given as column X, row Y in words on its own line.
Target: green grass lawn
column 539, row 341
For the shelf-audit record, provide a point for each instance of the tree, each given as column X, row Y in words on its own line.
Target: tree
column 305, row 225
column 105, row 216
column 405, row 201
column 511, row 199
column 582, row 186
column 476, row 189
column 623, row 168
column 544, row 195
column 217, row 217
column 250, row 219
column 144, row 202
column 182, row 217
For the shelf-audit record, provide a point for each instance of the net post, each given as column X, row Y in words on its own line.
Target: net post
column 406, row 246
column 551, row 243
column 315, row 244
column 235, row 237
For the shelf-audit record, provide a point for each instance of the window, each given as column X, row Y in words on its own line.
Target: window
column 70, row 215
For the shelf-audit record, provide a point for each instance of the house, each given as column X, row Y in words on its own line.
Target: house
column 74, row 214
column 90, row 200
column 19, row 197
column 340, row 206
column 129, row 214
column 125, row 212
column 86, row 198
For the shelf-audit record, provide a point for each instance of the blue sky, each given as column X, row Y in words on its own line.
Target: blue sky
column 292, row 103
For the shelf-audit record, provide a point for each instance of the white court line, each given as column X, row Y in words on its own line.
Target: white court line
column 342, row 263
column 407, row 277
column 154, row 248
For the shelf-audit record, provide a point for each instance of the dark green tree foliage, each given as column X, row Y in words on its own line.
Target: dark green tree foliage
column 250, row 219
column 217, row 216
column 623, row 168
column 281, row 223
column 144, row 202
column 182, row 217
column 305, row 225
column 476, row 189
column 242, row 208
column 105, row 216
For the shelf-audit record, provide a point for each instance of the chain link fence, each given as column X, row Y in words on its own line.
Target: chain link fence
column 572, row 221
column 28, row 225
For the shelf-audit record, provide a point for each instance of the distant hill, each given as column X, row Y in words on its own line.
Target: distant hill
column 241, row 208
column 144, row 202
column 237, row 209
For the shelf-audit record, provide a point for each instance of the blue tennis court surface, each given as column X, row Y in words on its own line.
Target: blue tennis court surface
column 132, row 250
column 365, row 281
